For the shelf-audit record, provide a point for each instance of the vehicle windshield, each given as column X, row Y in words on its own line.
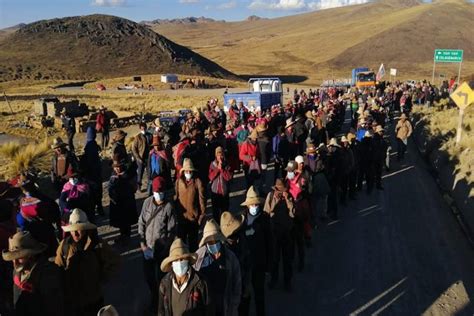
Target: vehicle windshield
column 366, row 77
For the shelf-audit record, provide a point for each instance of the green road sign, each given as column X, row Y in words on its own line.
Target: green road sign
column 448, row 55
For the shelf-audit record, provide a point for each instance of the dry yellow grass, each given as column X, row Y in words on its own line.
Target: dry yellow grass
column 17, row 158
column 328, row 43
column 445, row 122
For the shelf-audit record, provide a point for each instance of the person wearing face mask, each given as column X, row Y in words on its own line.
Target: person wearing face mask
column 280, row 207
column 37, row 289
column 140, row 151
column 88, row 263
column 249, row 154
column 219, row 177
column 298, row 180
column 190, row 204
column 258, row 232
column 75, row 194
column 221, row 268
column 232, row 227
column 157, row 228
column 182, row 291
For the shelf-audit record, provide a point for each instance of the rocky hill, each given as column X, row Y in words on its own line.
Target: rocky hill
column 187, row 20
column 324, row 44
column 96, row 46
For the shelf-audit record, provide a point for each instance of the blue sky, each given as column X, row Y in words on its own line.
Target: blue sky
column 13, row 12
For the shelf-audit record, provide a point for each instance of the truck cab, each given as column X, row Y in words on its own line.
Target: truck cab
column 365, row 79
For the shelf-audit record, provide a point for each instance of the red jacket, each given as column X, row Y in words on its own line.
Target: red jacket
column 219, row 178
column 247, row 151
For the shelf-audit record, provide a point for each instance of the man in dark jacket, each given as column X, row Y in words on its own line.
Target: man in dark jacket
column 380, row 146
column 92, row 166
column 334, row 175
column 140, row 150
column 260, row 242
column 62, row 160
column 123, row 209
column 38, row 288
column 69, row 125
column 279, row 206
column 182, row 290
column 366, row 165
column 88, row 263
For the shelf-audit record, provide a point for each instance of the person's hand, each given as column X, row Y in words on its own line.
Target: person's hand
column 285, row 195
column 254, row 158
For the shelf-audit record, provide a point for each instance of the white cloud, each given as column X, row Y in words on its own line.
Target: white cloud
column 278, row 5
column 188, row 1
column 300, row 5
column 227, row 5
column 109, row 3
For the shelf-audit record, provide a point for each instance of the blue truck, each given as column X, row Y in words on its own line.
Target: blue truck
column 355, row 71
column 262, row 94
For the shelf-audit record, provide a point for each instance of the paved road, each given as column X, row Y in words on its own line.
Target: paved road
column 394, row 252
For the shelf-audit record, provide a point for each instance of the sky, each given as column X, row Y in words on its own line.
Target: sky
column 13, row 12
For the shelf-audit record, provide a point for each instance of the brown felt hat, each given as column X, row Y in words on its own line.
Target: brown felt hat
column 212, row 232
column 230, row 223
column 22, row 245
column 178, row 251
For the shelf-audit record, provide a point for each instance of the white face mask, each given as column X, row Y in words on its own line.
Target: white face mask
column 180, row 268
column 158, row 196
column 188, row 176
column 290, row 175
column 229, row 132
column 143, row 132
column 253, row 210
column 73, row 181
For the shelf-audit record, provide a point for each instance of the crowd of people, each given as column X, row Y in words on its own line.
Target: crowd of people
column 198, row 262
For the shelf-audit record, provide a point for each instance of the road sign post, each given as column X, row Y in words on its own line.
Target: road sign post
column 463, row 96
column 447, row 56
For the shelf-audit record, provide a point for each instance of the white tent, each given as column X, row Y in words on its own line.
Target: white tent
column 169, row 78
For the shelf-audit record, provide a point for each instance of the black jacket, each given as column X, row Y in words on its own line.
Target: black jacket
column 198, row 302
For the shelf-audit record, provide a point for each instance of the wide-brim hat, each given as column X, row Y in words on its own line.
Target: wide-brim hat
column 187, row 165
column 310, row 149
column 230, row 223
column 280, row 185
column 333, row 142
column 262, row 127
column 108, row 310
column 22, row 245
column 289, row 122
column 178, row 251
column 291, row 166
column 253, row 135
column 404, row 116
column 157, row 122
column 252, row 197
column 102, row 108
column 57, row 143
column 212, row 232
column 78, row 221
column 120, row 135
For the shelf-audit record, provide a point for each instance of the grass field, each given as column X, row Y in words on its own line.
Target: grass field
column 442, row 124
column 329, row 43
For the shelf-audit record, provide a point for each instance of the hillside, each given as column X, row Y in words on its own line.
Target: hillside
column 96, row 46
column 329, row 43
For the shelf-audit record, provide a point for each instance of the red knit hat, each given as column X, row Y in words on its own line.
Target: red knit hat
column 158, row 184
